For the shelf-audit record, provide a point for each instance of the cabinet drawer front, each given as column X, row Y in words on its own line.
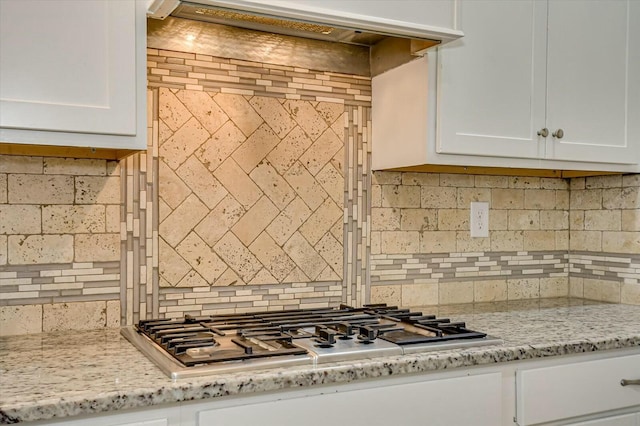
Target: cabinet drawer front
column 554, row 393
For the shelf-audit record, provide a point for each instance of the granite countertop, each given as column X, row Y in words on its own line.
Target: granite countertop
column 54, row 375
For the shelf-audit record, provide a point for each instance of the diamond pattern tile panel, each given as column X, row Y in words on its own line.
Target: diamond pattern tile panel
column 252, row 189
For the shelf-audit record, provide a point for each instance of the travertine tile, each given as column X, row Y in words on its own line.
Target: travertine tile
column 375, row 243
column 238, row 183
column 74, row 166
column 386, row 178
column 554, row 287
column 507, row 240
column 20, row 164
column 74, row 316
column 455, row 292
column 206, row 187
column 255, row 148
column 220, row 146
column 630, row 220
column 576, row 220
column 97, row 247
column 421, row 179
column 576, row 287
column 3, row 188
column 523, row 289
column 237, row 256
column 173, row 190
column 385, row 219
column 112, row 218
column 171, row 111
column 498, row 220
column 272, row 184
column 289, row 150
column 320, row 221
column 490, row 290
column 438, row 198
column 400, row 196
column 389, row 294
column 239, row 111
column 274, row 259
column 332, row 252
column 614, row 181
column 307, row 259
column 305, row 186
column 468, row 195
column 562, row 240
column 487, row 181
column 40, row 189
column 631, row 180
column 37, row 249
column 183, row 219
column 97, row 190
column 539, row 240
column 220, row 220
column 376, row 196
column 396, row 242
column 507, row 199
column 288, row 221
column 228, row 278
column 172, row 266
column 630, row 294
column 4, row 250
column 437, row 242
column 577, row 183
column 201, row 258
column 621, row 242
column 193, row 279
column 255, row 220
column 586, row 240
column 524, row 182
column 562, row 200
column 113, row 313
column 554, row 219
column 20, row 319
column 203, row 108
column 20, row 219
column 524, row 219
column 606, row 291
column 554, row 183
column 453, row 219
column 586, row 199
column 263, row 277
column 332, row 181
column 184, row 142
column 423, row 294
column 456, row 180
column 539, row 199
column 602, row 220
column 307, row 117
column 321, row 151
column 70, row 219
column 331, row 112
column 274, row 114
column 466, row 244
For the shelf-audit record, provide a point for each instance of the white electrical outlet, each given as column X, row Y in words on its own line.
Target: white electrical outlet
column 479, row 219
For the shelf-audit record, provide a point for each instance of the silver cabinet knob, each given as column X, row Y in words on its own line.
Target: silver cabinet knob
column 544, row 132
column 558, row 134
column 627, row 382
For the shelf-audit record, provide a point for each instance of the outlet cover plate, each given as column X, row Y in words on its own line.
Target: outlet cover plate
column 479, row 219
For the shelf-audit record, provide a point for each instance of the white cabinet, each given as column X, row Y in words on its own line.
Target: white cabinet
column 73, row 73
column 623, row 420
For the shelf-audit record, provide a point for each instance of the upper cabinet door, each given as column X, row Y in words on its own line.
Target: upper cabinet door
column 491, row 82
column 593, row 77
column 68, row 66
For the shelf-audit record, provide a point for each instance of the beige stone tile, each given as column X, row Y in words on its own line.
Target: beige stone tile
column 255, row 148
column 400, row 196
column 376, row 196
column 337, row 230
column 585, row 240
column 239, row 111
column 321, row 151
column 272, row 184
column 539, row 199
column 562, row 200
column 305, row 257
column 332, row 252
column 418, row 220
column 562, row 240
column 576, row 220
column 163, row 210
column 220, row 220
column 70, row 219
column 202, row 107
column 288, row 221
column 220, row 146
column 74, row 316
column 182, row 220
column 438, row 198
column 172, row 189
column 524, row 220
column 171, row 111
column 621, row 198
column 375, row 243
column 507, row 240
column 201, row 257
column 486, row 181
column 526, row 288
column 184, row 142
column 389, row 294
column 228, row 278
column 40, row 189
column 274, row 259
column 238, row 257
column 423, row 294
column 456, row 180
column 606, row 291
column 289, row 150
column 630, row 294
column 172, row 267
column 20, row 219
column 421, row 179
column 38, row 249
column 524, row 182
column 274, row 114
column 452, row 219
column 112, row 218
column 466, row 244
column 468, row 195
column 539, row 240
column 263, row 277
column 206, row 187
column 330, row 111
column 577, row 183
column 455, row 292
column 602, row 220
column 333, row 182
column 385, row 219
column 307, row 117
column 621, row 242
column 554, row 287
column 97, row 247
column 320, row 221
column 630, row 220
column 236, row 181
column 554, row 183
column 590, row 199
column 498, row 220
column 113, row 167
column 164, row 133
column 397, row 242
column 576, row 287
column 4, row 250
column 3, row 188
column 339, row 128
column 20, row 319
column 554, row 219
column 507, row 199
column 614, row 181
column 437, row 242
column 255, row 220
column 296, row 276
column 113, row 313
column 74, row 166
column 21, row 164
column 631, row 180
column 386, row 178
column 97, row 190
column 490, row 291
column 305, row 186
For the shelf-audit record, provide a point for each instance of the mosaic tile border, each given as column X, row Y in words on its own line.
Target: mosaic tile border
column 617, row 267
column 59, row 283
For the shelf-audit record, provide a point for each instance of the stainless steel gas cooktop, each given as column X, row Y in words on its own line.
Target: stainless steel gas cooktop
column 195, row 346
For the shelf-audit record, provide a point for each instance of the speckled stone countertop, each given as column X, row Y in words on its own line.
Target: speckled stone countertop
column 54, row 375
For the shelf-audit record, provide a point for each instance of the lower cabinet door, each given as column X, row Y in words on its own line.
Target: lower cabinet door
column 471, row 400
column 623, row 420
